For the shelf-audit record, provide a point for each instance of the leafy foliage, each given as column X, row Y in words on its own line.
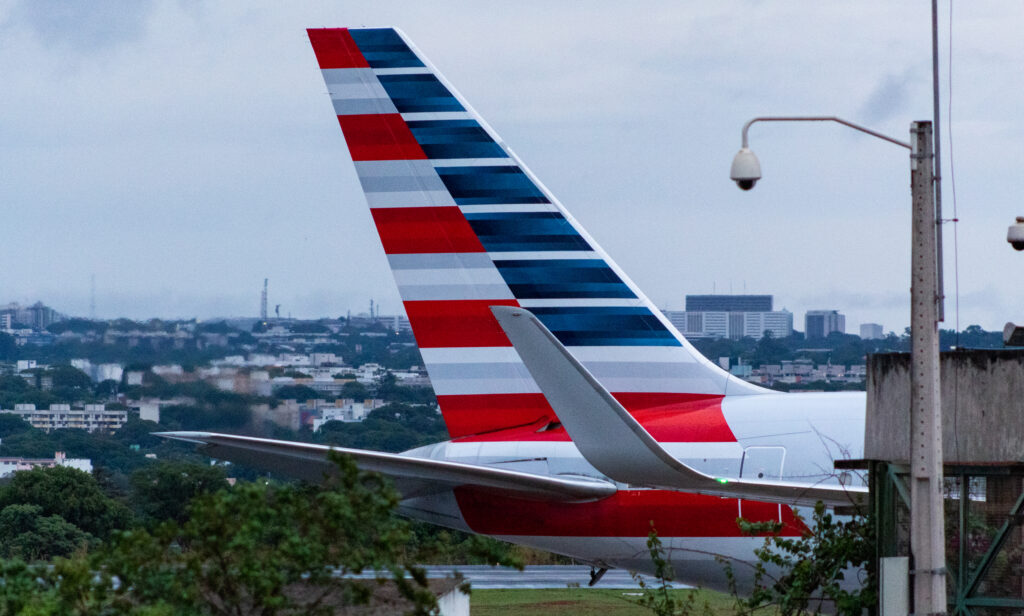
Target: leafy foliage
column 256, row 548
column 659, row 598
column 73, row 495
column 807, row 574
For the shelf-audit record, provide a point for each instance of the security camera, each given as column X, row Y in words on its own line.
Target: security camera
column 746, row 171
column 1015, row 234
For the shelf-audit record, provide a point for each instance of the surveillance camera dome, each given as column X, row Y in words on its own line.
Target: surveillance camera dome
column 746, row 170
column 1015, row 234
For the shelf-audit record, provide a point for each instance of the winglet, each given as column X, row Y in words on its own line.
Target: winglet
column 614, row 442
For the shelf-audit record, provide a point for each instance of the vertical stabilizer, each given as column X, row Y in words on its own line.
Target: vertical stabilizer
column 466, row 226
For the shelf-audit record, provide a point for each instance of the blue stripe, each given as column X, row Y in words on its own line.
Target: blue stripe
column 383, row 48
column 418, row 93
column 525, row 231
column 455, row 139
column 492, row 184
column 562, row 278
column 605, row 326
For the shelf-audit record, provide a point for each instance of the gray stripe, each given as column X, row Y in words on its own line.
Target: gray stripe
column 359, row 106
column 441, row 260
column 645, row 369
column 401, row 183
column 412, row 293
column 349, row 76
column 409, row 199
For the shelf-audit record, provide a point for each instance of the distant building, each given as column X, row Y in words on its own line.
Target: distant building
column 92, row 417
column 735, row 325
column 821, row 323
column 728, row 303
column 9, row 466
column 871, row 331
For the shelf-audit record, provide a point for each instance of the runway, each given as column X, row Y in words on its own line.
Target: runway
column 483, row 577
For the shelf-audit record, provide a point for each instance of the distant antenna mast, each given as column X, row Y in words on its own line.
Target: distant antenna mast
column 263, row 302
column 371, row 308
column 92, row 297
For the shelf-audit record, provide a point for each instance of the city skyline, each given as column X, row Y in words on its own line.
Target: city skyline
column 146, row 143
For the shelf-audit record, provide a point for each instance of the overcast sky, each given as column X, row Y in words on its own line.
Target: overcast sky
column 182, row 151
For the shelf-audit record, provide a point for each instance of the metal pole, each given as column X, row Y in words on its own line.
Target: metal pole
column 927, row 536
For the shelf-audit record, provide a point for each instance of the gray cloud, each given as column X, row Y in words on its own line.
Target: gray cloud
column 82, row 26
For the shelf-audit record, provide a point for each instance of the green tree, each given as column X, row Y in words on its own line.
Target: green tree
column 28, row 534
column 268, row 548
column 812, row 567
column 69, row 493
column 163, row 491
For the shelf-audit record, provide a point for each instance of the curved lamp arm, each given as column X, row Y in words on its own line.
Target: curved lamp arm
column 862, row 129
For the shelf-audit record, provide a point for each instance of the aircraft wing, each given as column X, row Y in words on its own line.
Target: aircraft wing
column 616, row 444
column 412, row 476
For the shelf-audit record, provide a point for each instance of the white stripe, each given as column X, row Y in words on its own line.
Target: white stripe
column 631, row 354
column 437, row 115
column 404, row 70
column 469, row 355
column 550, row 254
column 452, row 276
column 470, row 387
column 574, row 302
column 508, row 207
column 472, row 162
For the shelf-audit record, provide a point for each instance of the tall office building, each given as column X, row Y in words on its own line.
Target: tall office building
column 731, row 316
column 729, row 303
column 821, row 323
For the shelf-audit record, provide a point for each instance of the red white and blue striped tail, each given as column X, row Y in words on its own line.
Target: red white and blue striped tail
column 466, row 226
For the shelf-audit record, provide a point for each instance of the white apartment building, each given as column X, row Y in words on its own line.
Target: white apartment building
column 9, row 466
column 91, row 417
column 717, row 324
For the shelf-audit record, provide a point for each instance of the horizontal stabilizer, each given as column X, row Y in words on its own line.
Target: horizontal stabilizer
column 615, row 443
column 412, row 476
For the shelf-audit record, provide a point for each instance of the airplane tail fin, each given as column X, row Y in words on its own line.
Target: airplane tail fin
column 467, row 226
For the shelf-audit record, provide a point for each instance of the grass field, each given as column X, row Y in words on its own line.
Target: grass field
column 565, row 601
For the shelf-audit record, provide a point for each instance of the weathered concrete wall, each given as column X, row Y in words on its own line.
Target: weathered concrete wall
column 982, row 406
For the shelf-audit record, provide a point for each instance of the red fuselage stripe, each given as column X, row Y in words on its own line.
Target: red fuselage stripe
column 628, row 513
column 669, row 417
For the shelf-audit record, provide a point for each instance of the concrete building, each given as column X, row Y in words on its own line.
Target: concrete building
column 821, row 323
column 92, row 417
column 871, row 331
column 736, row 325
column 9, row 466
column 728, row 303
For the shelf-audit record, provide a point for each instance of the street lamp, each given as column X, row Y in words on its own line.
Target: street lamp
column 927, row 532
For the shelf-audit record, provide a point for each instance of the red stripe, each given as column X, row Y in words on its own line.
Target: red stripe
column 379, row 136
column 457, row 323
column 334, row 48
column 465, row 415
column 412, row 230
column 668, row 417
column 628, row 513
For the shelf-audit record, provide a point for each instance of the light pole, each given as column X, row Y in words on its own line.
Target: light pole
column 927, row 532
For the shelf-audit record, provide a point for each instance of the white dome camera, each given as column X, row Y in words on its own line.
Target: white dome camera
column 1015, row 234
column 746, row 171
